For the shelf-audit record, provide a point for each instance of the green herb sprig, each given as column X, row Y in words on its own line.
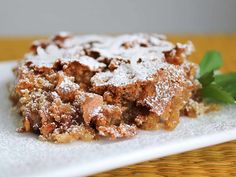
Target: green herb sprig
column 220, row 88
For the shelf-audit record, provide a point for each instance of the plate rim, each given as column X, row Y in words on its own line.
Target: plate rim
column 148, row 153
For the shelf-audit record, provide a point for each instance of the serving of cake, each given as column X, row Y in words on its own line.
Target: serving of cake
column 87, row 87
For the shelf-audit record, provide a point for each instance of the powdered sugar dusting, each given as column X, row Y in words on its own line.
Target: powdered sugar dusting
column 72, row 49
column 67, row 85
column 91, row 63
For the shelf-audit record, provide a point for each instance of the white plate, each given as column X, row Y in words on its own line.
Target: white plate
column 25, row 155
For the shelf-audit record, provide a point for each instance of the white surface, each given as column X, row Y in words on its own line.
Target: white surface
column 24, row 155
column 105, row 16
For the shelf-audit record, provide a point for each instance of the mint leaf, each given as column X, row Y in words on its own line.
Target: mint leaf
column 228, row 82
column 231, row 89
column 224, row 79
column 219, row 88
column 211, row 61
column 216, row 93
column 207, row 78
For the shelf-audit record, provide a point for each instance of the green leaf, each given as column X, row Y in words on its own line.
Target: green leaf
column 216, row 93
column 228, row 82
column 210, row 62
column 225, row 79
column 207, row 78
column 230, row 87
column 219, row 88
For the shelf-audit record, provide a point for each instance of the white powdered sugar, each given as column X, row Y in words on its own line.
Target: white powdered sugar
column 107, row 46
column 67, row 85
column 91, row 63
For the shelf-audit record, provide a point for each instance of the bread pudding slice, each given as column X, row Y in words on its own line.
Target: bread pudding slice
column 86, row 87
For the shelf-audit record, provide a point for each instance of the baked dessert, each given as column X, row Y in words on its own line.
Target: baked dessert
column 87, row 87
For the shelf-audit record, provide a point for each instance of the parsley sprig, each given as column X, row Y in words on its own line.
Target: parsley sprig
column 219, row 88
